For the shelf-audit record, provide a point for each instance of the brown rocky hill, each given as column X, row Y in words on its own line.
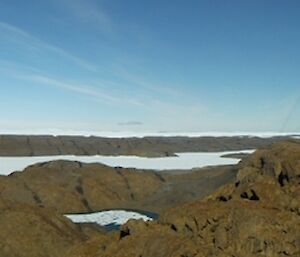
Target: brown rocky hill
column 71, row 187
column 256, row 216
column 36, row 232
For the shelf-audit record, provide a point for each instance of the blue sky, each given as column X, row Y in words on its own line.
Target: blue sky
column 150, row 65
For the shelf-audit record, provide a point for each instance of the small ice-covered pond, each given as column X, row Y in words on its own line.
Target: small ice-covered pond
column 111, row 219
column 182, row 161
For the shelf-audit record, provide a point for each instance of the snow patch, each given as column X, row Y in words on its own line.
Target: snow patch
column 141, row 134
column 104, row 218
column 182, row 162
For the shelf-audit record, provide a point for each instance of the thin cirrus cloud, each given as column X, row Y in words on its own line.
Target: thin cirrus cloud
column 81, row 89
column 130, row 123
column 139, row 81
column 31, row 42
column 34, row 75
column 88, row 11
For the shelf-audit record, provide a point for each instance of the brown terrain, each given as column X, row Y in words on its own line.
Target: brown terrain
column 13, row 145
column 257, row 215
column 251, row 209
column 74, row 187
column 27, row 230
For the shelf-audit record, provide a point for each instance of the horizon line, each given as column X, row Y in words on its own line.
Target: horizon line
column 140, row 134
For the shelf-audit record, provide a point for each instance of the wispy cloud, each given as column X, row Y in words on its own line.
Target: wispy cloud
column 31, row 42
column 15, row 30
column 141, row 82
column 130, row 123
column 88, row 11
column 82, row 89
column 109, row 92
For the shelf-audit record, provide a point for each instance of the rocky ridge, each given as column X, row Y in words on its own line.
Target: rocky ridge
column 74, row 187
column 13, row 145
column 257, row 215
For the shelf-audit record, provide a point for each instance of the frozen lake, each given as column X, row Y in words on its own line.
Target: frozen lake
column 111, row 219
column 183, row 161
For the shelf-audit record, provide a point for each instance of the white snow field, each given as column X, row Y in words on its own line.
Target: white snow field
column 104, row 218
column 181, row 162
column 140, row 134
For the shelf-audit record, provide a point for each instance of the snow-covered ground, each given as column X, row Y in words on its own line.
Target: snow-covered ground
column 139, row 134
column 183, row 161
column 104, row 218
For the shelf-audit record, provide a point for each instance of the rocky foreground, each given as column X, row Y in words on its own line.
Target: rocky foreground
column 257, row 213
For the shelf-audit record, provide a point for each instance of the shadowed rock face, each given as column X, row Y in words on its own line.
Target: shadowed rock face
column 257, row 215
column 148, row 146
column 71, row 187
column 270, row 176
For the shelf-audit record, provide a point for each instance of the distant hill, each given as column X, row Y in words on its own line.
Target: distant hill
column 18, row 145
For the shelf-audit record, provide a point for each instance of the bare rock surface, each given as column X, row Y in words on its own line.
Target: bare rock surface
column 73, row 187
column 257, row 215
column 32, row 231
